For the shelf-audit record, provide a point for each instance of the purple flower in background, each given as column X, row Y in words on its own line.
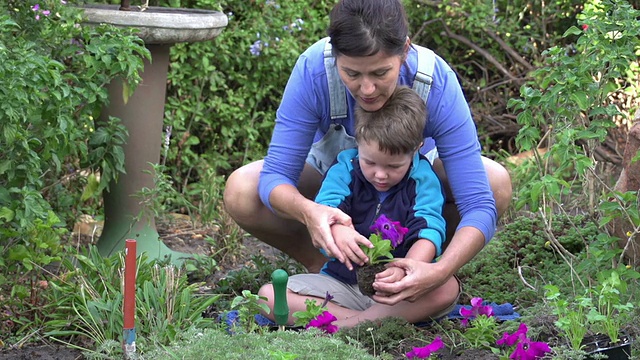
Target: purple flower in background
column 36, row 8
column 389, row 230
column 256, row 48
column 476, row 309
column 425, row 351
column 324, row 323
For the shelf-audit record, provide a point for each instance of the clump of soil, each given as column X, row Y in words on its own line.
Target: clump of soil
column 366, row 276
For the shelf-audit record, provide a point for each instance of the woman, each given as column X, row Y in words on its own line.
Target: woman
column 373, row 54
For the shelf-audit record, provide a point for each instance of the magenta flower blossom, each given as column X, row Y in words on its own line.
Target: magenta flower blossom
column 324, row 323
column 530, row 350
column 476, row 309
column 389, row 230
column 525, row 348
column 425, row 351
column 510, row 340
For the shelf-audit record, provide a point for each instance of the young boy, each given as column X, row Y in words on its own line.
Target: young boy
column 384, row 175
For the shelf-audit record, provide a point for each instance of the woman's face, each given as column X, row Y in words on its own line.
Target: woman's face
column 370, row 79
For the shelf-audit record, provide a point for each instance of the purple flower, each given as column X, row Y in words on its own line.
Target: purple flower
column 328, row 297
column 425, row 351
column 525, row 348
column 476, row 310
column 324, row 323
column 510, row 340
column 35, row 7
column 256, row 48
column 389, row 230
column 530, row 350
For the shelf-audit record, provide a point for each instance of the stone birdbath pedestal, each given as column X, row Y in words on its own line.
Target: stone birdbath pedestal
column 142, row 115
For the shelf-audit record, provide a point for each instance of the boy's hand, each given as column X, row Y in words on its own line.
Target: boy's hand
column 390, row 275
column 348, row 240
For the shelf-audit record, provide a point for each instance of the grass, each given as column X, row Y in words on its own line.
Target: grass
column 216, row 344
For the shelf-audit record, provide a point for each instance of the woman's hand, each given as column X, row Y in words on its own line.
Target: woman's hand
column 348, row 240
column 420, row 278
column 319, row 220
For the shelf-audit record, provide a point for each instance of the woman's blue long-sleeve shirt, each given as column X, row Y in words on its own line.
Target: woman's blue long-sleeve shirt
column 304, row 116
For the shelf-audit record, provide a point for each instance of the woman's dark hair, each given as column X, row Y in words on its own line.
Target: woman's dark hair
column 365, row 27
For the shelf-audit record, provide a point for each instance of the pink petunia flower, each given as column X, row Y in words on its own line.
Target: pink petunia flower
column 530, row 350
column 425, row 351
column 525, row 348
column 389, row 230
column 585, row 27
column 510, row 340
column 324, row 323
column 476, row 310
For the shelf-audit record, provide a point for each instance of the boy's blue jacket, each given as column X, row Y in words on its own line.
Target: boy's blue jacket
column 416, row 202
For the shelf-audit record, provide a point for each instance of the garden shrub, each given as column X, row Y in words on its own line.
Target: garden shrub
column 223, row 94
column 52, row 75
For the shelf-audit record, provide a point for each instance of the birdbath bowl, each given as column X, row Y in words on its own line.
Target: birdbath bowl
column 142, row 115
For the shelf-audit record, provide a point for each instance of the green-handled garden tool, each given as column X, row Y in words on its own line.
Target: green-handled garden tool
column 279, row 280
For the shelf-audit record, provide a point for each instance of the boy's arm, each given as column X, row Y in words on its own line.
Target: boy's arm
column 335, row 192
column 423, row 250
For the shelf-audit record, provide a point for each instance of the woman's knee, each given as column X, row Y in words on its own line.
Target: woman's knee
column 240, row 196
column 500, row 181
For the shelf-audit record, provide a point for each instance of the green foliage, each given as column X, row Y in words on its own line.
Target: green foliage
column 567, row 107
column 313, row 309
column 572, row 316
column 253, row 277
column 521, row 250
column 602, row 308
column 482, row 332
column 379, row 336
column 87, row 302
column 248, row 305
column 221, row 97
column 381, row 249
column 52, row 75
column 611, row 313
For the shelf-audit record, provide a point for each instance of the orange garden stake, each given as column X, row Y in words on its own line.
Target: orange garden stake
column 129, row 308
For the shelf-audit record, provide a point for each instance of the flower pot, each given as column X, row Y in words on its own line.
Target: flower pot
column 601, row 344
column 366, row 277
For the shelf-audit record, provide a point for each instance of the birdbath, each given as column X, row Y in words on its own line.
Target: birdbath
column 142, row 115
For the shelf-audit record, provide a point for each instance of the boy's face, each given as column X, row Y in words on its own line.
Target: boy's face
column 382, row 170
